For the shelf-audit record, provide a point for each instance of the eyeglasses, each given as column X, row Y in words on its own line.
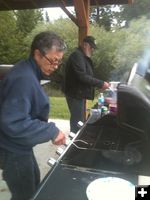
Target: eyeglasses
column 53, row 61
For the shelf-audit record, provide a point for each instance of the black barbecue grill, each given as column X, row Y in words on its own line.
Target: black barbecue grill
column 109, row 147
column 112, row 145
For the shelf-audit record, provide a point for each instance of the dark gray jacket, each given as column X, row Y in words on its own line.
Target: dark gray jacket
column 79, row 78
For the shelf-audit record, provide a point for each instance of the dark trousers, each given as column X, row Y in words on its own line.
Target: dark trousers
column 21, row 174
column 77, row 110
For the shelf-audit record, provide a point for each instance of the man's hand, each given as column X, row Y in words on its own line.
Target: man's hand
column 106, row 85
column 60, row 139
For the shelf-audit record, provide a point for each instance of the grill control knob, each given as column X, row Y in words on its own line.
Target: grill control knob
column 51, row 162
column 80, row 124
column 68, row 141
column 72, row 135
column 59, row 151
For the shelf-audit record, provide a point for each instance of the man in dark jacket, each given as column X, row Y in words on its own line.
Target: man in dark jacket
column 80, row 81
column 24, row 109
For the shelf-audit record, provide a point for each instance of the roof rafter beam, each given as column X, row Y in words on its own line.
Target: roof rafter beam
column 5, row 4
column 34, row 4
column 71, row 16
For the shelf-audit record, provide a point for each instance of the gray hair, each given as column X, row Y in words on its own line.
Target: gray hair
column 47, row 40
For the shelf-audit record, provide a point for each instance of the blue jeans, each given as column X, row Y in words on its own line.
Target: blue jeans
column 21, row 174
column 77, row 112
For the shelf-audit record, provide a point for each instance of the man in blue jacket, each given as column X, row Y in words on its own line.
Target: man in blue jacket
column 24, row 109
column 80, row 81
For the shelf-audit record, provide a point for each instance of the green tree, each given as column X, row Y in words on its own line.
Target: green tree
column 110, row 16
column 103, row 16
column 27, row 20
column 133, row 42
column 134, row 11
column 47, row 17
column 103, row 57
column 10, row 39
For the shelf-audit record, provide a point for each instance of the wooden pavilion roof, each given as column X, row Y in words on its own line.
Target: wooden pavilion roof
column 33, row 4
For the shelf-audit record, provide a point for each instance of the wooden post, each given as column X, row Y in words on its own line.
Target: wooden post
column 82, row 13
column 82, row 8
column 130, row 1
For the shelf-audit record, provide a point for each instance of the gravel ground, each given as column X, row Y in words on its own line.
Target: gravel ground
column 42, row 152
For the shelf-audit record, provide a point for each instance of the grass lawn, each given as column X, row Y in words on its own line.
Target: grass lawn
column 59, row 108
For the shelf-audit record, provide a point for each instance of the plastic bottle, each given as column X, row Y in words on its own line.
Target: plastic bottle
column 100, row 100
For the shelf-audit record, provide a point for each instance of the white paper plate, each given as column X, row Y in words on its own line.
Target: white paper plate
column 110, row 188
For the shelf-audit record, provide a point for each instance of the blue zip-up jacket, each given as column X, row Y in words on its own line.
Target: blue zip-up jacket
column 24, row 109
